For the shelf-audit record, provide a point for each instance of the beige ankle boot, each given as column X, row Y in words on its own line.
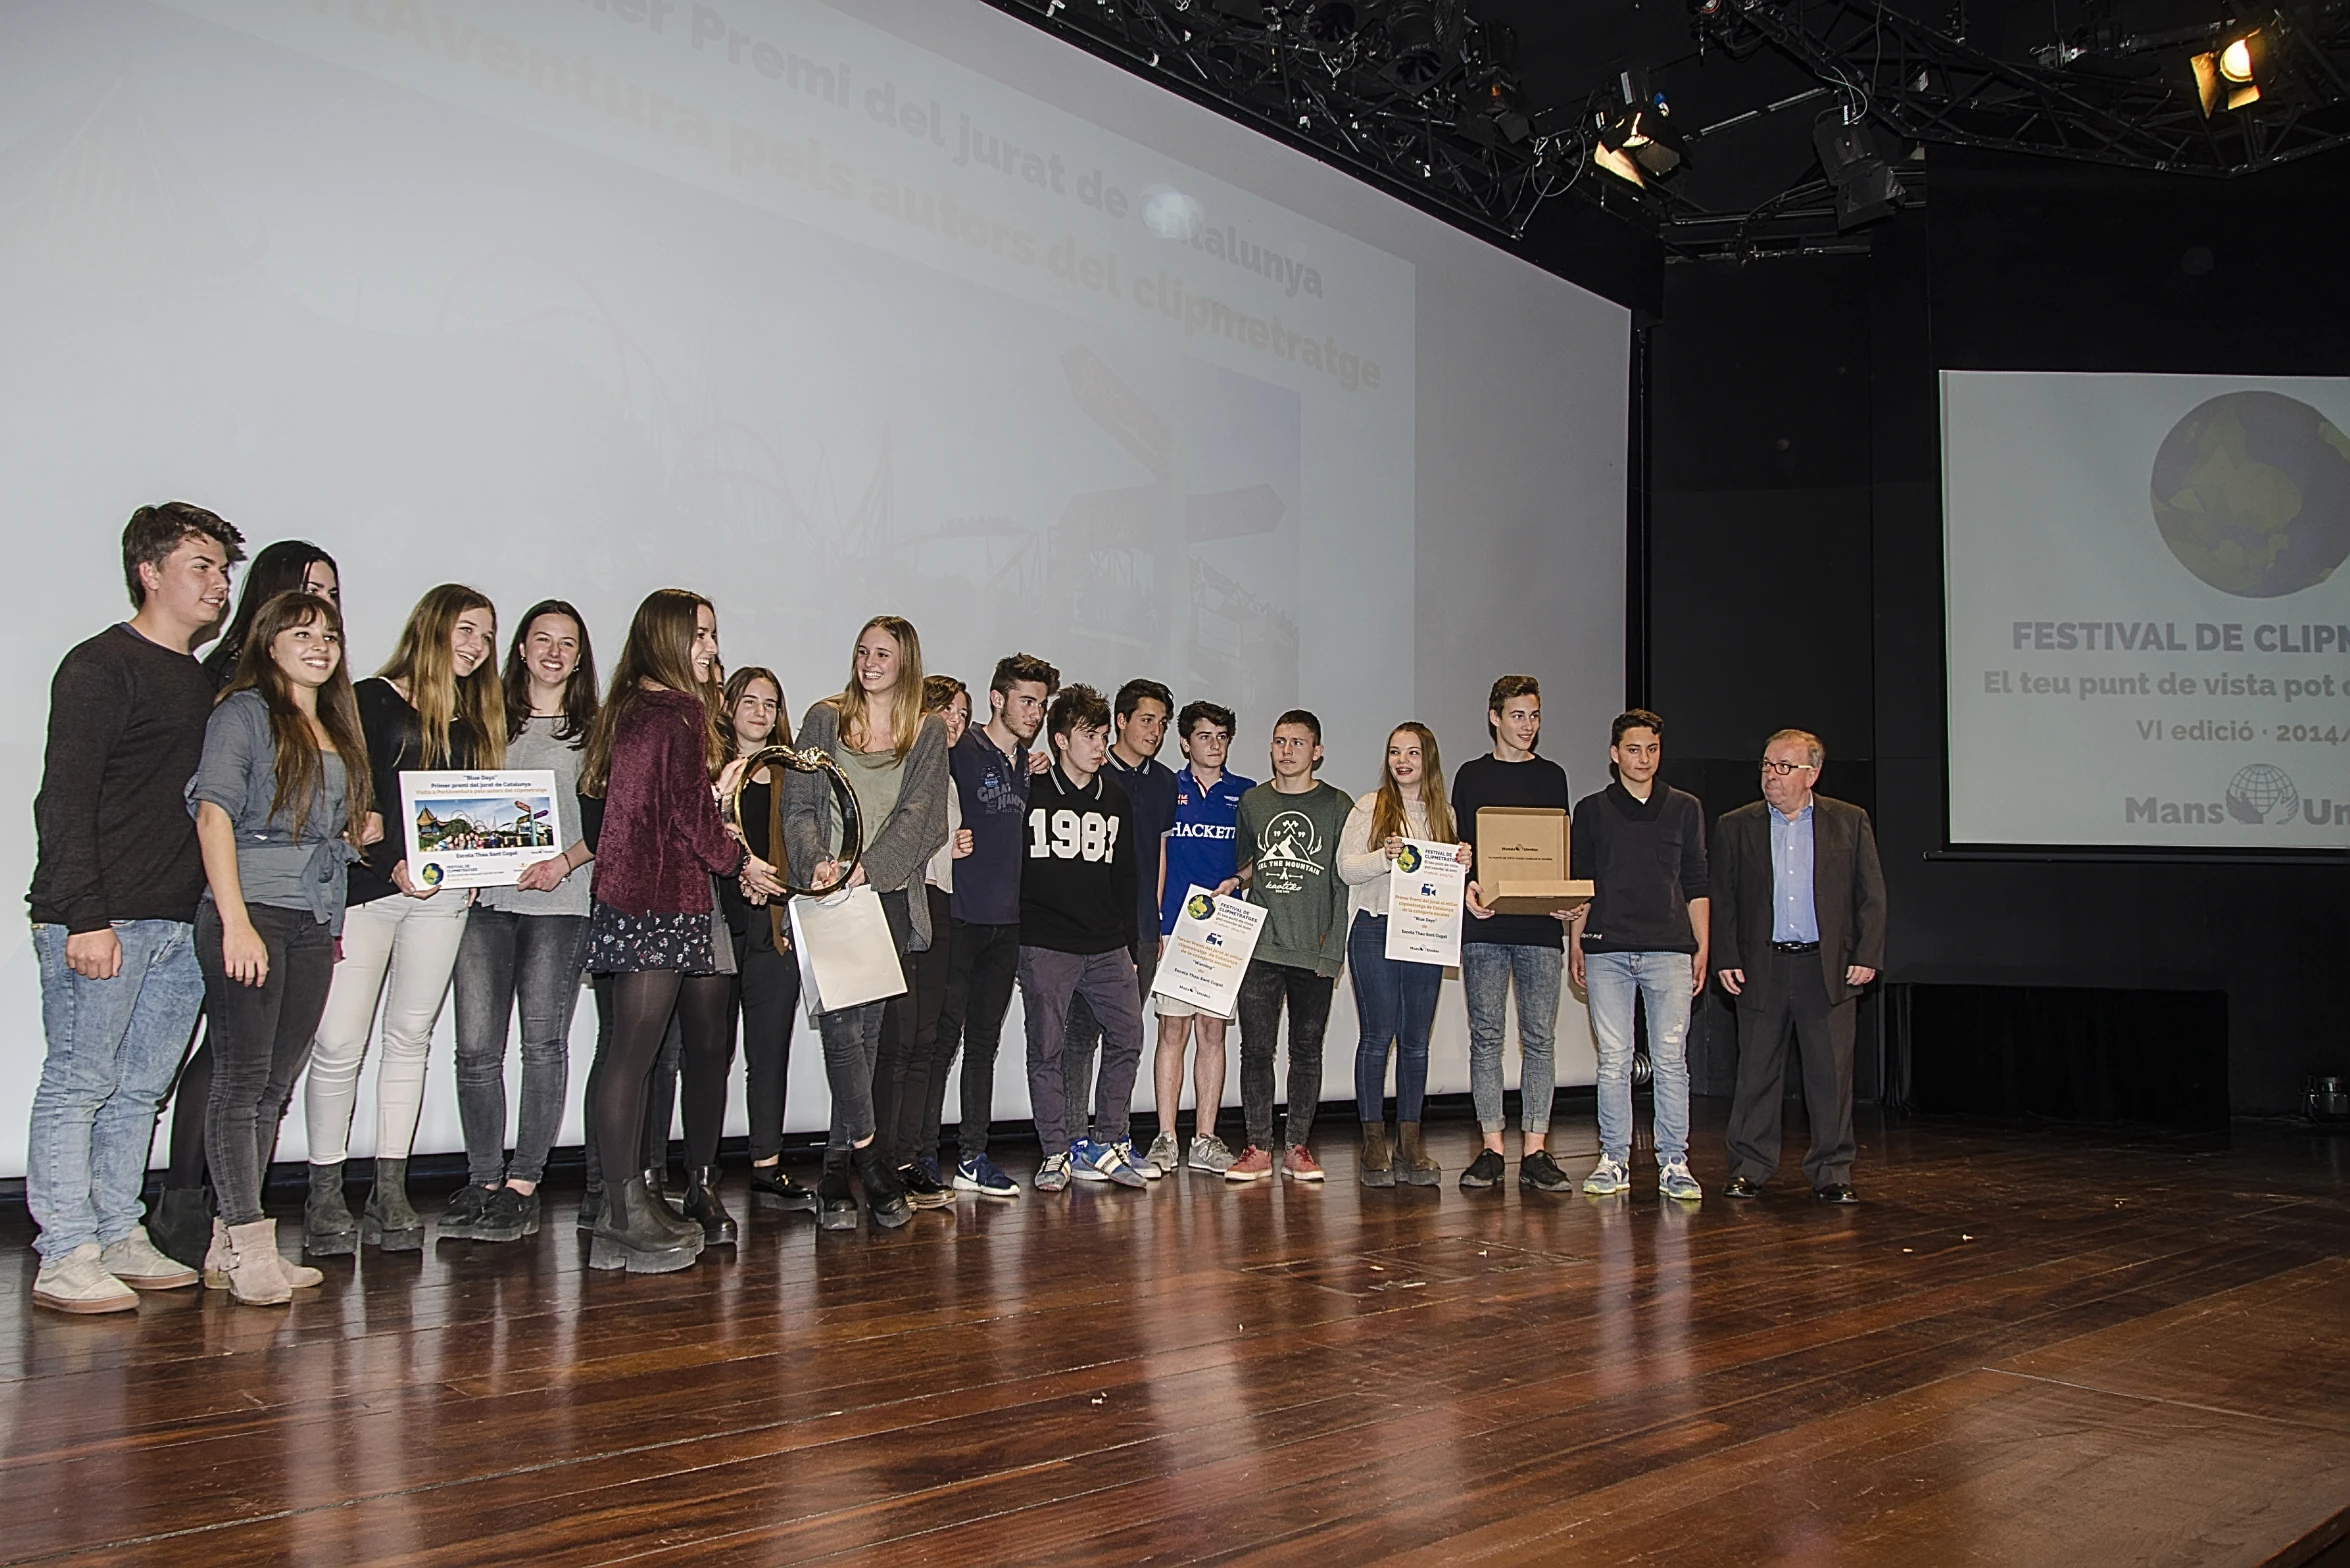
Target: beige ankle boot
column 256, row 1275
column 219, row 1258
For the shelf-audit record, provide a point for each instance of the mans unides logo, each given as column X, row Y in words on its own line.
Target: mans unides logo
column 2260, row 795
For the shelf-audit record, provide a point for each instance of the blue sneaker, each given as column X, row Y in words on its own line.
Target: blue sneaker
column 929, row 1167
column 1091, row 1161
column 1053, row 1173
column 979, row 1174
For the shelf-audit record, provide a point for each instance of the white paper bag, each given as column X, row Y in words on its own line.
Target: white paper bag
column 847, row 956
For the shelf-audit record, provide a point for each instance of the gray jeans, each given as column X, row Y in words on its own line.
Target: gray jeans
column 505, row 959
column 1487, row 969
column 852, row 1043
column 1049, row 982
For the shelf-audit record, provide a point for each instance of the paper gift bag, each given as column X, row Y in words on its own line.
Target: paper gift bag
column 847, row 956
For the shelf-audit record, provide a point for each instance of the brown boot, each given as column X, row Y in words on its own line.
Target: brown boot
column 1413, row 1167
column 1374, row 1167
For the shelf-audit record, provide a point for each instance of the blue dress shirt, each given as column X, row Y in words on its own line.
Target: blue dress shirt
column 1794, row 916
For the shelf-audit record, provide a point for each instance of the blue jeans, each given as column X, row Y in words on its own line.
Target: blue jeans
column 1486, row 970
column 507, row 958
column 1611, row 980
column 113, row 1046
column 1395, row 1002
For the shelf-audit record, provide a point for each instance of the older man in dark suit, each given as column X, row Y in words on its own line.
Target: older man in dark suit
column 1798, row 930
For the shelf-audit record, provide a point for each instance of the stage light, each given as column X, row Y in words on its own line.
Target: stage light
column 1618, row 163
column 1866, row 186
column 1497, row 112
column 2229, row 76
column 1333, row 23
column 1642, row 129
column 1415, row 42
column 2235, row 61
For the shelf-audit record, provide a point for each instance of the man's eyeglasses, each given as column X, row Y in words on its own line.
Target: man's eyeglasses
column 1782, row 769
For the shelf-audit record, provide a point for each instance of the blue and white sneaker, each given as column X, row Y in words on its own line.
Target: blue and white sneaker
column 979, row 1174
column 1053, row 1174
column 1150, row 1172
column 929, row 1167
column 1102, row 1162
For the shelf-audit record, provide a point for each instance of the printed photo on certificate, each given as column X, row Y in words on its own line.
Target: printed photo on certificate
column 476, row 829
column 1424, row 893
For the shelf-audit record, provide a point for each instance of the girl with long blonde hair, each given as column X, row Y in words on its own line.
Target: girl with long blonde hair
column 438, row 704
column 1395, row 999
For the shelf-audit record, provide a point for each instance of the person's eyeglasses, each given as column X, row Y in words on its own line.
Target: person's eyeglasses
column 1782, row 768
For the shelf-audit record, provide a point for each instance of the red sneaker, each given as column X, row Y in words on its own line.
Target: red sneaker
column 1254, row 1164
column 1300, row 1163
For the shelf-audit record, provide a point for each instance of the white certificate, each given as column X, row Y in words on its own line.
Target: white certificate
column 476, row 829
column 1424, row 889
column 1208, row 951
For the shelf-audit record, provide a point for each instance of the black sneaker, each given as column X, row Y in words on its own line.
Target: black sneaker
column 461, row 1220
column 1484, row 1171
column 1540, row 1172
column 591, row 1209
column 923, row 1190
column 509, row 1215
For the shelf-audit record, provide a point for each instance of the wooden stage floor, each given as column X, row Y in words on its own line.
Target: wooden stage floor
column 2059, row 1347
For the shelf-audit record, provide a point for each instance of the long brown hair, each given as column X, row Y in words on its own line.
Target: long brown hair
column 440, row 698
column 294, row 745
column 1387, row 813
column 905, row 699
column 740, row 682
column 579, row 692
column 660, row 649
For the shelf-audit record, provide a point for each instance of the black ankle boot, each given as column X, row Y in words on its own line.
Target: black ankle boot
column 664, row 1210
column 885, row 1200
column 389, row 1221
column 704, row 1209
column 328, row 1231
column 181, row 1226
column 772, row 1189
column 632, row 1235
column 591, row 1209
column 836, row 1205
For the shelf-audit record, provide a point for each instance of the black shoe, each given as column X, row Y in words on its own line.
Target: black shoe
column 921, row 1191
column 1484, row 1171
column 181, row 1226
column 1541, row 1173
column 390, row 1221
column 703, row 1208
column 1837, row 1192
column 1742, row 1187
column 666, row 1211
column 885, row 1200
column 591, row 1209
column 461, row 1220
column 836, row 1205
column 631, row 1235
column 328, row 1230
column 772, row 1189
column 510, row 1215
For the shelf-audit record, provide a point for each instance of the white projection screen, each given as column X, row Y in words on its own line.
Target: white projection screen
column 2149, row 639
column 825, row 311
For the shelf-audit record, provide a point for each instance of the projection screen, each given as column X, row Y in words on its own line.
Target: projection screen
column 824, row 311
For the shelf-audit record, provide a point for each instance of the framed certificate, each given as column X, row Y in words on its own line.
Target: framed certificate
column 476, row 829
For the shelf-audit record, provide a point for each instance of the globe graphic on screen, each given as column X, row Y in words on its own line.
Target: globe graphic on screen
column 2252, row 493
column 2262, row 793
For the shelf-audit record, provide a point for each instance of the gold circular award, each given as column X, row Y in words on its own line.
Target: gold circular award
column 852, row 827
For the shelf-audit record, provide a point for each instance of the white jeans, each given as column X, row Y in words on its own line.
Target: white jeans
column 398, row 951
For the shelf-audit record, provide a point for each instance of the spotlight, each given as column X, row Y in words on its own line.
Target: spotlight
column 2229, row 76
column 1497, row 112
column 1616, row 162
column 1866, row 187
column 1415, row 42
column 1333, row 24
column 1642, row 129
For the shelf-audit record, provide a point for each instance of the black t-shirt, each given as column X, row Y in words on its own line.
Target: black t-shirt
column 1077, row 879
column 395, row 744
column 1489, row 781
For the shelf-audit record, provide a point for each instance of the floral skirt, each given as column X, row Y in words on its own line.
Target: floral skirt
column 619, row 944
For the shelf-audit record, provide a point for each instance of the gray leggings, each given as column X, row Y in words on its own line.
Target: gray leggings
column 261, row 1038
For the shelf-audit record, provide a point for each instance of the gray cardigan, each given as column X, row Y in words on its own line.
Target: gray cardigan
column 897, row 849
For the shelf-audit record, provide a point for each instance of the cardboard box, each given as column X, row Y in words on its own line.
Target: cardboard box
column 1522, row 861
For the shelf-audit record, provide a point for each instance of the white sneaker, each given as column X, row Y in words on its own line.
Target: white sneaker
column 1211, row 1155
column 78, row 1282
column 1607, row 1178
column 1165, row 1158
column 135, row 1261
column 1674, row 1181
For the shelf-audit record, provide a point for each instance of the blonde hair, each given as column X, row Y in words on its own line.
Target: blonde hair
column 1387, row 813
column 905, row 698
column 440, row 697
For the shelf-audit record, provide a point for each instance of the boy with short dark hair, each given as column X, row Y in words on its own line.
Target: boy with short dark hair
column 1076, row 928
column 1198, row 850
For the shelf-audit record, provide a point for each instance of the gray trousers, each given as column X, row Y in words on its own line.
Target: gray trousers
column 1794, row 991
column 1049, row 982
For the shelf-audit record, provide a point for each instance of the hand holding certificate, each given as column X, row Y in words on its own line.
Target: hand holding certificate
column 476, row 829
column 1207, row 954
column 1424, row 889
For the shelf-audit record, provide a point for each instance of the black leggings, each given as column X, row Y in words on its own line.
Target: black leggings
column 190, row 1097
column 641, row 1005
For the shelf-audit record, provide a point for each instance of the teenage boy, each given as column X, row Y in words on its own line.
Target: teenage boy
column 1499, row 950
column 1642, row 843
column 1076, row 936
column 115, row 886
column 1144, row 710
column 1199, row 849
column 990, row 766
column 1288, row 848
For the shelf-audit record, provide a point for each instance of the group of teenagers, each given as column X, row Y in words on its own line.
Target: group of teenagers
column 221, row 846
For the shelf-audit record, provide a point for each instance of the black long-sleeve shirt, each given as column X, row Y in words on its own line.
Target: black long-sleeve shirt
column 395, row 744
column 126, row 731
column 1489, row 781
column 1648, row 861
column 1077, row 881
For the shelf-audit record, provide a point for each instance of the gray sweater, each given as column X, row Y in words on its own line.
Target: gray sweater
column 896, row 849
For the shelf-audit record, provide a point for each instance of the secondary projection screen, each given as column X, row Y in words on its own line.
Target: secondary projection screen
column 823, row 311
column 2149, row 643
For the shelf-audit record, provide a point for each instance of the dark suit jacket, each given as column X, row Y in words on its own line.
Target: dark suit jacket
column 1848, row 893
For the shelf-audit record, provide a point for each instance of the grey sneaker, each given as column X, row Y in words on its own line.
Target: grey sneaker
column 1607, row 1178
column 1165, row 1158
column 78, row 1282
column 1210, row 1156
column 135, row 1261
column 1053, row 1174
column 1674, row 1181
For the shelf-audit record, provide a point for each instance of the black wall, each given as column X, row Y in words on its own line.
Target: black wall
column 1793, row 556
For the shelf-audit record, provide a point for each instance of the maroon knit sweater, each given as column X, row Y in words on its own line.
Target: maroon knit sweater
column 663, row 837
